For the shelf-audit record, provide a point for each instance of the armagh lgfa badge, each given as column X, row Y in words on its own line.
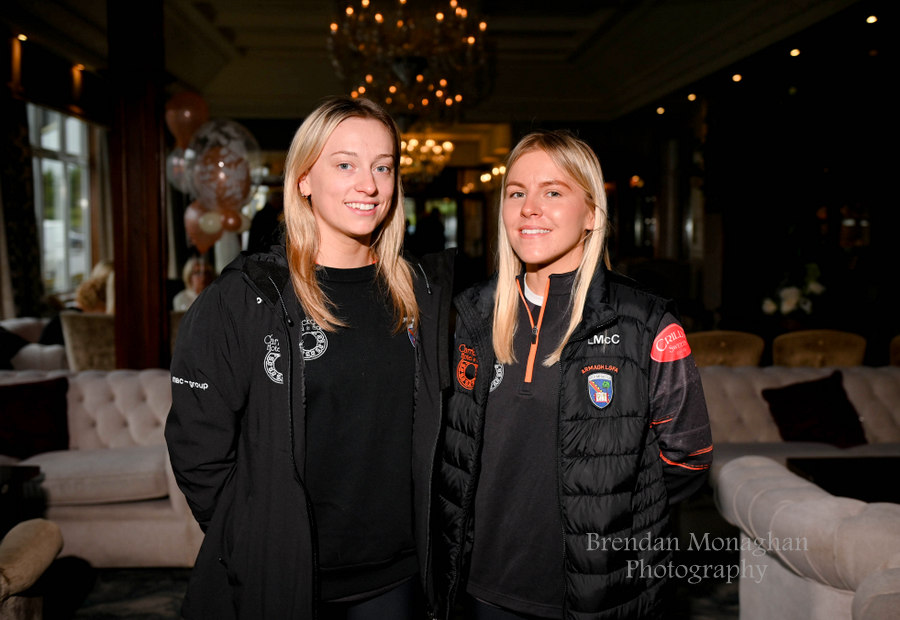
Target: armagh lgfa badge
column 600, row 389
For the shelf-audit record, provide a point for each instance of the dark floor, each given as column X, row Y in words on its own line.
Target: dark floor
column 155, row 594
column 79, row 591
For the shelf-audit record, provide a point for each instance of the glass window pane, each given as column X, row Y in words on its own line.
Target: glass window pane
column 79, row 225
column 34, row 123
column 54, row 225
column 49, row 127
column 62, row 196
column 76, row 136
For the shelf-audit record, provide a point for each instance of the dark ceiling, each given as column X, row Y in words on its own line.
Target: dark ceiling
column 577, row 60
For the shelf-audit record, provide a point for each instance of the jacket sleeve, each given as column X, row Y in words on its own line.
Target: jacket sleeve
column 678, row 412
column 208, row 394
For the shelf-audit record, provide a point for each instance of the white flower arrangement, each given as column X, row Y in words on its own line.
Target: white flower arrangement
column 790, row 298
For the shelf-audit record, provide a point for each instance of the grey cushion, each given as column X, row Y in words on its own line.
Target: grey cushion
column 106, row 475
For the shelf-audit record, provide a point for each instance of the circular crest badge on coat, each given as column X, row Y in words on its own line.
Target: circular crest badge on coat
column 313, row 341
column 273, row 352
column 600, row 389
column 498, row 376
column 467, row 367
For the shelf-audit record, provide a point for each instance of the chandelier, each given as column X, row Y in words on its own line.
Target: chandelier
column 422, row 159
column 418, row 61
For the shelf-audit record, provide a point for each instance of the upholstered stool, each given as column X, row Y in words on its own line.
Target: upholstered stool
column 726, row 348
column 818, row 347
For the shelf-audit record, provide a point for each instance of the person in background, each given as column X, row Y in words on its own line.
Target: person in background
column 95, row 294
column 306, row 395
column 197, row 275
column 577, row 419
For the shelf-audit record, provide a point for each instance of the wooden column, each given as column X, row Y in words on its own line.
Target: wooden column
column 137, row 166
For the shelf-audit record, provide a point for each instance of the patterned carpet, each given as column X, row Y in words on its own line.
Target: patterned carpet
column 136, row 594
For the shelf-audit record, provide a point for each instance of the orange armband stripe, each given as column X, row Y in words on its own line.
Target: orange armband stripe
column 683, row 465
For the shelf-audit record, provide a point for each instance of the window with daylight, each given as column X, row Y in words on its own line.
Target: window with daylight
column 62, row 198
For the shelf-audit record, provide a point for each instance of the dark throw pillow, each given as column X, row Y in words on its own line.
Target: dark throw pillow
column 10, row 343
column 816, row 411
column 33, row 417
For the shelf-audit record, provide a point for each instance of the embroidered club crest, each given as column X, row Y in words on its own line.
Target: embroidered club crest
column 498, row 376
column 313, row 341
column 467, row 367
column 600, row 389
column 273, row 352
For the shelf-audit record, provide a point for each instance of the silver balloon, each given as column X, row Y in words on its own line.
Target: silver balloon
column 222, row 160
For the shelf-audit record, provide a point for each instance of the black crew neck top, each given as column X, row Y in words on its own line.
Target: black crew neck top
column 359, row 414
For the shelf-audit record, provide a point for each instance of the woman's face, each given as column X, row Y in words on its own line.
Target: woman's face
column 201, row 277
column 352, row 182
column 545, row 214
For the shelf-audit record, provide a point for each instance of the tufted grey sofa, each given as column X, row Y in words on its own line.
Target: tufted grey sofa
column 113, row 493
column 742, row 423
column 814, row 556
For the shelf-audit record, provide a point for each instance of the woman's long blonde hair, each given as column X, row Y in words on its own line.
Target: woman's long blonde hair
column 303, row 234
column 578, row 160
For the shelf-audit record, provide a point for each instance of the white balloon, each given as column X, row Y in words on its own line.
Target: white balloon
column 176, row 171
column 210, row 222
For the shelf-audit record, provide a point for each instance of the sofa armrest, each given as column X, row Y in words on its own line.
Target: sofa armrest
column 878, row 596
column 836, row 541
column 40, row 357
column 25, row 553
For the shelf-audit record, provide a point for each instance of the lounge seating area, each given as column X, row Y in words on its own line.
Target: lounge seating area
column 783, row 412
column 97, row 437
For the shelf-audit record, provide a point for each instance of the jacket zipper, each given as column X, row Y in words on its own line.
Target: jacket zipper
column 310, row 515
column 597, row 328
column 562, row 521
column 434, row 448
column 470, row 492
